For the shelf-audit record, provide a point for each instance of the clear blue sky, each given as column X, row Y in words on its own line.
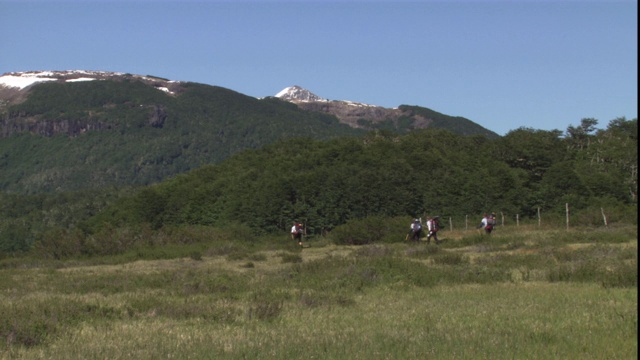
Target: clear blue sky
column 502, row 64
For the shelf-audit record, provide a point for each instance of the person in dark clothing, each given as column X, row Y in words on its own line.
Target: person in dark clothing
column 416, row 230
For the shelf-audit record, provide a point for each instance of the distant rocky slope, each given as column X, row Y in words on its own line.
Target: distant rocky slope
column 15, row 87
column 355, row 114
column 371, row 117
column 69, row 130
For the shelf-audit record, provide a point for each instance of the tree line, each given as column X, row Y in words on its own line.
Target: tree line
column 385, row 174
column 329, row 183
column 118, row 140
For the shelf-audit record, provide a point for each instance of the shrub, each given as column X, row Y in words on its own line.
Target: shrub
column 59, row 244
column 449, row 258
column 374, row 250
column 266, row 304
column 370, row 230
column 290, row 258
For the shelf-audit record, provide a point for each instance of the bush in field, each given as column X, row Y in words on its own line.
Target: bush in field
column 449, row 258
column 372, row 229
column 59, row 244
column 32, row 323
column 608, row 265
column 290, row 258
column 143, row 242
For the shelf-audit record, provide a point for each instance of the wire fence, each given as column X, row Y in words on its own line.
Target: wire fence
column 590, row 217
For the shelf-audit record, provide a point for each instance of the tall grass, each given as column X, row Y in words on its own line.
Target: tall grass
column 542, row 294
column 501, row 321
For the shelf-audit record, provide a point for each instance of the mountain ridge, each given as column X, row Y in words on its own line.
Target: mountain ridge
column 71, row 130
column 14, row 87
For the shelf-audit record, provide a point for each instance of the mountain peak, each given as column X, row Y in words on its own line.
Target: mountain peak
column 298, row 94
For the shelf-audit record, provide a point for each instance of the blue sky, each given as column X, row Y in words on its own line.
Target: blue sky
column 502, row 64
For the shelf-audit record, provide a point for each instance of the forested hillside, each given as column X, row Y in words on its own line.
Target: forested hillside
column 68, row 136
column 429, row 172
column 88, row 135
column 329, row 183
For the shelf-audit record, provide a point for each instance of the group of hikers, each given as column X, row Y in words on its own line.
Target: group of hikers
column 415, row 232
column 433, row 225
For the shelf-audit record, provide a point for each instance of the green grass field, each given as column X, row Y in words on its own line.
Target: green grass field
column 521, row 293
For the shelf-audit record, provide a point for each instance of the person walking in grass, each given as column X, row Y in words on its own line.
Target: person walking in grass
column 296, row 233
column 488, row 222
column 433, row 226
column 416, row 230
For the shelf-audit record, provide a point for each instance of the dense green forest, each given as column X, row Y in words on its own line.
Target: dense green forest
column 89, row 135
column 328, row 183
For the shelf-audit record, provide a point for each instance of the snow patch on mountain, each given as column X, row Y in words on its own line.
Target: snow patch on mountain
column 297, row 94
column 22, row 80
column 80, row 79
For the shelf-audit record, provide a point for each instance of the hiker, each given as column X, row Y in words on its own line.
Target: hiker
column 416, row 230
column 488, row 222
column 296, row 232
column 433, row 226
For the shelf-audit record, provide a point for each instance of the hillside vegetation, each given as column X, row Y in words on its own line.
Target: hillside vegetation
column 338, row 182
column 88, row 135
column 94, row 134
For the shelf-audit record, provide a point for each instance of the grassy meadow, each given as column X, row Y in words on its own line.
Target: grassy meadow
column 521, row 293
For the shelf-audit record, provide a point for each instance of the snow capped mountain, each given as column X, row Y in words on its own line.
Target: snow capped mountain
column 22, row 80
column 296, row 93
column 347, row 112
column 15, row 82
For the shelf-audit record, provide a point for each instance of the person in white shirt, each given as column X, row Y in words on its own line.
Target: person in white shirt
column 432, row 227
column 488, row 222
column 296, row 233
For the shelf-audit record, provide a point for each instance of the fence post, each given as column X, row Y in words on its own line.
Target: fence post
column 502, row 216
column 450, row 224
column 517, row 219
column 466, row 222
column 604, row 217
column 538, row 216
column 567, row 211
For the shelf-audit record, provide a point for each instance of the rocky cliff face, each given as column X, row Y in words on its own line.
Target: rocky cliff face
column 47, row 128
column 20, row 123
column 15, row 88
column 354, row 114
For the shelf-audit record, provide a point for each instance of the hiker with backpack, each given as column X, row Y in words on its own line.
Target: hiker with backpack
column 488, row 222
column 415, row 231
column 296, row 233
column 433, row 225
